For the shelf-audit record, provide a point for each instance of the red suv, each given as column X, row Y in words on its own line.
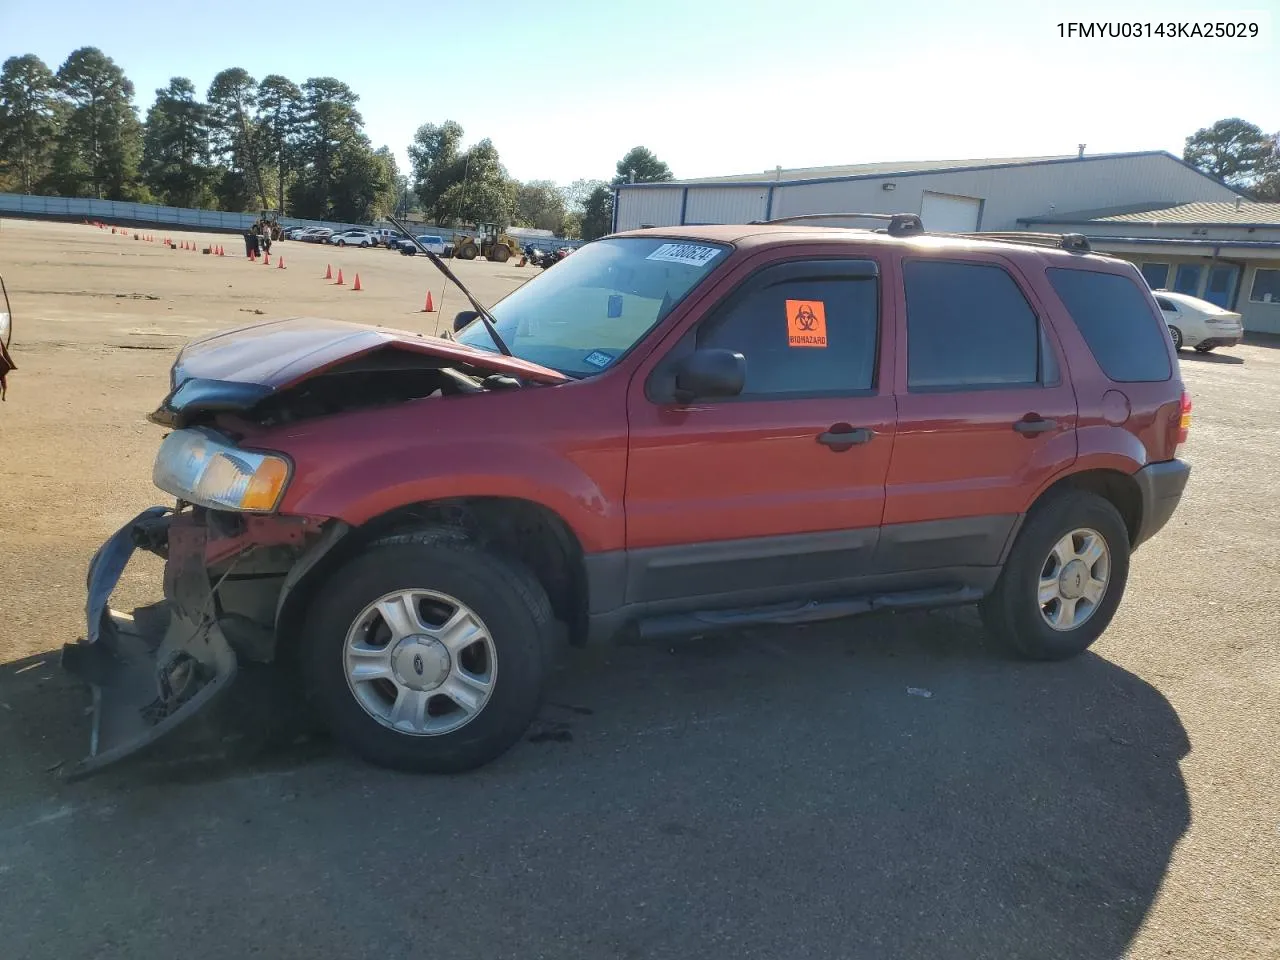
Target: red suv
column 673, row 430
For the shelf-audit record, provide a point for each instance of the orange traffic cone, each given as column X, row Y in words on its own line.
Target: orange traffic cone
column 328, row 272
column 280, row 265
column 339, row 281
column 428, row 307
column 356, row 288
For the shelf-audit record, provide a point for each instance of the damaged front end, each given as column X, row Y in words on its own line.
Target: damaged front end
column 225, row 579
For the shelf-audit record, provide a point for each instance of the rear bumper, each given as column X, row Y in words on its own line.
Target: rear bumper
column 152, row 670
column 1161, row 486
column 1226, row 341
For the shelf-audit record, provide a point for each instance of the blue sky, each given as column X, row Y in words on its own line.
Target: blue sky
column 565, row 88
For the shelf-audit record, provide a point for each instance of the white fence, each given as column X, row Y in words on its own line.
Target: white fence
column 124, row 212
column 121, row 211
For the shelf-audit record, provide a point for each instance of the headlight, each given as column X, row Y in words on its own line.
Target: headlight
column 200, row 467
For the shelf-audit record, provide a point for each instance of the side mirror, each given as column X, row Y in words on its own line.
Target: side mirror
column 709, row 374
column 463, row 318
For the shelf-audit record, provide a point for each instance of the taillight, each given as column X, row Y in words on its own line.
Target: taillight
column 1184, row 420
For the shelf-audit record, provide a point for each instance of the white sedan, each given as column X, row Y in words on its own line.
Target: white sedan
column 1198, row 323
column 354, row 238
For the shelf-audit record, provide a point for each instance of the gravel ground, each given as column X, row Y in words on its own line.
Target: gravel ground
column 772, row 793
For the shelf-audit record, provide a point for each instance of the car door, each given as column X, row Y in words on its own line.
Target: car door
column 777, row 492
column 985, row 415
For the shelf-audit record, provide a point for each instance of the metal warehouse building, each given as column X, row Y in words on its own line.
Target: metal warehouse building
column 1176, row 211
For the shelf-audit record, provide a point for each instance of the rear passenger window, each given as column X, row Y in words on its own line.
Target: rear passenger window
column 968, row 326
column 1116, row 321
column 809, row 336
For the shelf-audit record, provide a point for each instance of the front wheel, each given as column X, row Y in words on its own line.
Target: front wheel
column 1204, row 349
column 342, row 243
column 425, row 653
column 1177, row 337
column 1063, row 579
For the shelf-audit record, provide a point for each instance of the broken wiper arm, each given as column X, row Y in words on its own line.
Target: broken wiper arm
column 485, row 316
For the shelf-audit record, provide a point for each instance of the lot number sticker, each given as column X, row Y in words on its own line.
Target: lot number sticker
column 806, row 323
column 691, row 254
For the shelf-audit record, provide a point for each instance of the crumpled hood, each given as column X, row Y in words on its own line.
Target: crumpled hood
column 278, row 354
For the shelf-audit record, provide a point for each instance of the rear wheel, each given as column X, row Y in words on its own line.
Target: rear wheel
column 1177, row 337
column 1063, row 580
column 427, row 654
column 1203, row 349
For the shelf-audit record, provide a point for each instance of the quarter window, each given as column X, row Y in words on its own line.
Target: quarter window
column 802, row 336
column 968, row 326
column 1114, row 317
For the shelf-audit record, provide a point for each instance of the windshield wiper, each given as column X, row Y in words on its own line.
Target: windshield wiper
column 485, row 316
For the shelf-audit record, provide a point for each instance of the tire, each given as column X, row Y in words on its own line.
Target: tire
column 1012, row 612
column 467, row 253
column 1177, row 338
column 508, row 601
column 1204, row 349
column 363, row 244
column 342, row 243
column 500, row 255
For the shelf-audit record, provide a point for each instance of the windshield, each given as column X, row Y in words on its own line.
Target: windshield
column 584, row 313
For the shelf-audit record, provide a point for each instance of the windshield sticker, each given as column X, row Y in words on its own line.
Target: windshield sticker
column 692, row 254
column 806, row 323
column 598, row 358
column 615, row 305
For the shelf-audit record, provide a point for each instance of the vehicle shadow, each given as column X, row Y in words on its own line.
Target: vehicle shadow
column 879, row 787
column 1254, row 339
column 1210, row 357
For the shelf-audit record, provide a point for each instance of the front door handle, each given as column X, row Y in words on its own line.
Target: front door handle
column 1031, row 425
column 844, row 436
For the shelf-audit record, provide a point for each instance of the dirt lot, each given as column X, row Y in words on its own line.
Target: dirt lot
column 773, row 793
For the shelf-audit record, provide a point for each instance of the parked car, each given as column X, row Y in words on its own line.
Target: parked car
column 433, row 242
column 316, row 234
column 354, row 238
column 1198, row 323
column 673, row 431
column 386, row 237
column 295, row 233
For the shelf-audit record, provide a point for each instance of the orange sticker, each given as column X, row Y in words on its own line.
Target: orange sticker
column 806, row 323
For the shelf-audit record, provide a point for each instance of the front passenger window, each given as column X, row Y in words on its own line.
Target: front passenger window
column 803, row 337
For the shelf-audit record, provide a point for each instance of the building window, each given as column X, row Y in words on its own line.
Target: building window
column 1266, row 287
column 1156, row 274
column 1187, row 279
column 968, row 327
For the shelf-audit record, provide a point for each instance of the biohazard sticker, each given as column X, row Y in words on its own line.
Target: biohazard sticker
column 806, row 323
column 692, row 254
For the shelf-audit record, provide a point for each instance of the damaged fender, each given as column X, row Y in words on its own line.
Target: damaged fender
column 152, row 670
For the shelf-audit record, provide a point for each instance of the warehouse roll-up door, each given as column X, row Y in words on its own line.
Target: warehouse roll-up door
column 947, row 213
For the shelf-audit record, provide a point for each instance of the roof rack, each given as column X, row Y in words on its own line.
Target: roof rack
column 1073, row 242
column 900, row 224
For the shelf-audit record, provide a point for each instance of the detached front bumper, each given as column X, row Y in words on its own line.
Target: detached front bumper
column 152, row 670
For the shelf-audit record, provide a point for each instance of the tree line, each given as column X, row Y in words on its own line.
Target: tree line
column 265, row 144
column 249, row 144
column 1239, row 154
column 301, row 149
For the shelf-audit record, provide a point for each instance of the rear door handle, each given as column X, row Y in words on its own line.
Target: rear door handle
column 843, row 435
column 1029, row 426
